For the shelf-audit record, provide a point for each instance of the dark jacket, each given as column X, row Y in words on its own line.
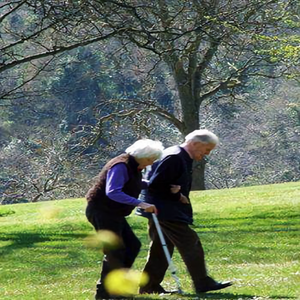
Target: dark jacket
column 175, row 167
column 97, row 198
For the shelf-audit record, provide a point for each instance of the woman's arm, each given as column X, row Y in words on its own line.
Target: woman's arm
column 116, row 178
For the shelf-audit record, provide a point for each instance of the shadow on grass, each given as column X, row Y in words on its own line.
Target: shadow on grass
column 269, row 219
column 210, row 296
column 27, row 240
column 49, row 253
column 270, row 225
column 238, row 296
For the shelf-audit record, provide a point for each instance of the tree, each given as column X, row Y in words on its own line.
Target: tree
column 49, row 28
column 259, row 143
column 212, row 48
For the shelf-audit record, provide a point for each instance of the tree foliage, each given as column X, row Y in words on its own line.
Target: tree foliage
column 103, row 68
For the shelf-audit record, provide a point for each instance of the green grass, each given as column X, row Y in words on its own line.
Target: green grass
column 250, row 236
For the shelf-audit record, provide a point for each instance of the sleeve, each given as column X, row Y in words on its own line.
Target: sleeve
column 116, row 178
column 145, row 184
column 167, row 173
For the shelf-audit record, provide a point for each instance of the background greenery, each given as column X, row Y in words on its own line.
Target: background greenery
column 81, row 80
column 250, row 236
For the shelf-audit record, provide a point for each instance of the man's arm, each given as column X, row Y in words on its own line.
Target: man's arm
column 165, row 176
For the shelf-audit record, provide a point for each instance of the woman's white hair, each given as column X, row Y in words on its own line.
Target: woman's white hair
column 202, row 135
column 146, row 148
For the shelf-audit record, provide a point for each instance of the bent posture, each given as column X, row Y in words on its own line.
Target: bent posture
column 113, row 197
column 175, row 214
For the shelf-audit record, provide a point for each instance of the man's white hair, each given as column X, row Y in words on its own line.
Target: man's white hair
column 146, row 148
column 202, row 135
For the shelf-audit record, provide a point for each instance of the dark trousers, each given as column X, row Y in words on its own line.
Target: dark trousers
column 186, row 240
column 122, row 257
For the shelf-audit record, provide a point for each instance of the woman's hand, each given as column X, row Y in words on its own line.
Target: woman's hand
column 148, row 207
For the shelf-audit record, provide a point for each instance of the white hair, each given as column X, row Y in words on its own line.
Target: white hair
column 202, row 135
column 145, row 148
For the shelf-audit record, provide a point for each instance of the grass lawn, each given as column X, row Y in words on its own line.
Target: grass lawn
column 250, row 236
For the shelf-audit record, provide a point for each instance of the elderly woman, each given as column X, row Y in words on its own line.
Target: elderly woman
column 114, row 196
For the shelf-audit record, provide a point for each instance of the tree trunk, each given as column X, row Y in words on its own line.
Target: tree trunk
column 190, row 105
column 190, row 115
column 198, row 176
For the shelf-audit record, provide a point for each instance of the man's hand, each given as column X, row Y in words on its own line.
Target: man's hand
column 148, row 207
column 183, row 199
column 175, row 188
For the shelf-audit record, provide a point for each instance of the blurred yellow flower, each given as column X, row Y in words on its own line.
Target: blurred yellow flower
column 49, row 211
column 124, row 282
column 103, row 239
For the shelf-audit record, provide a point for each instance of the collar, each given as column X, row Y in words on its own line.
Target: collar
column 132, row 162
column 185, row 154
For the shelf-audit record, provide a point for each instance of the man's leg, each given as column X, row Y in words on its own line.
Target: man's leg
column 189, row 246
column 157, row 263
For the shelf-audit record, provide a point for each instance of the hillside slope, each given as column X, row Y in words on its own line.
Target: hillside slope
column 250, row 236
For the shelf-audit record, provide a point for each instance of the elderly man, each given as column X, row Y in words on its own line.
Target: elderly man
column 175, row 214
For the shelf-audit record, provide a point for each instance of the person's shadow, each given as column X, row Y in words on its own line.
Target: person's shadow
column 210, row 296
column 236, row 296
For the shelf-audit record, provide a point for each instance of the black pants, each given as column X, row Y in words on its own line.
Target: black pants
column 186, row 240
column 122, row 257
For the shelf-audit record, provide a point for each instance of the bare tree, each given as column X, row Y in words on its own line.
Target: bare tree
column 212, row 48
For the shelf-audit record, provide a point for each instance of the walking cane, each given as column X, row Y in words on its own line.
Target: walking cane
column 167, row 254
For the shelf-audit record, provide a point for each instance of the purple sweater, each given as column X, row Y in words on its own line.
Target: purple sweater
column 117, row 176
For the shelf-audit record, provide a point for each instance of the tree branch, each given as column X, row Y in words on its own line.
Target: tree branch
column 58, row 50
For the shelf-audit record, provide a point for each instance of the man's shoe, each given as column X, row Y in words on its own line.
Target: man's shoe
column 158, row 289
column 210, row 284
